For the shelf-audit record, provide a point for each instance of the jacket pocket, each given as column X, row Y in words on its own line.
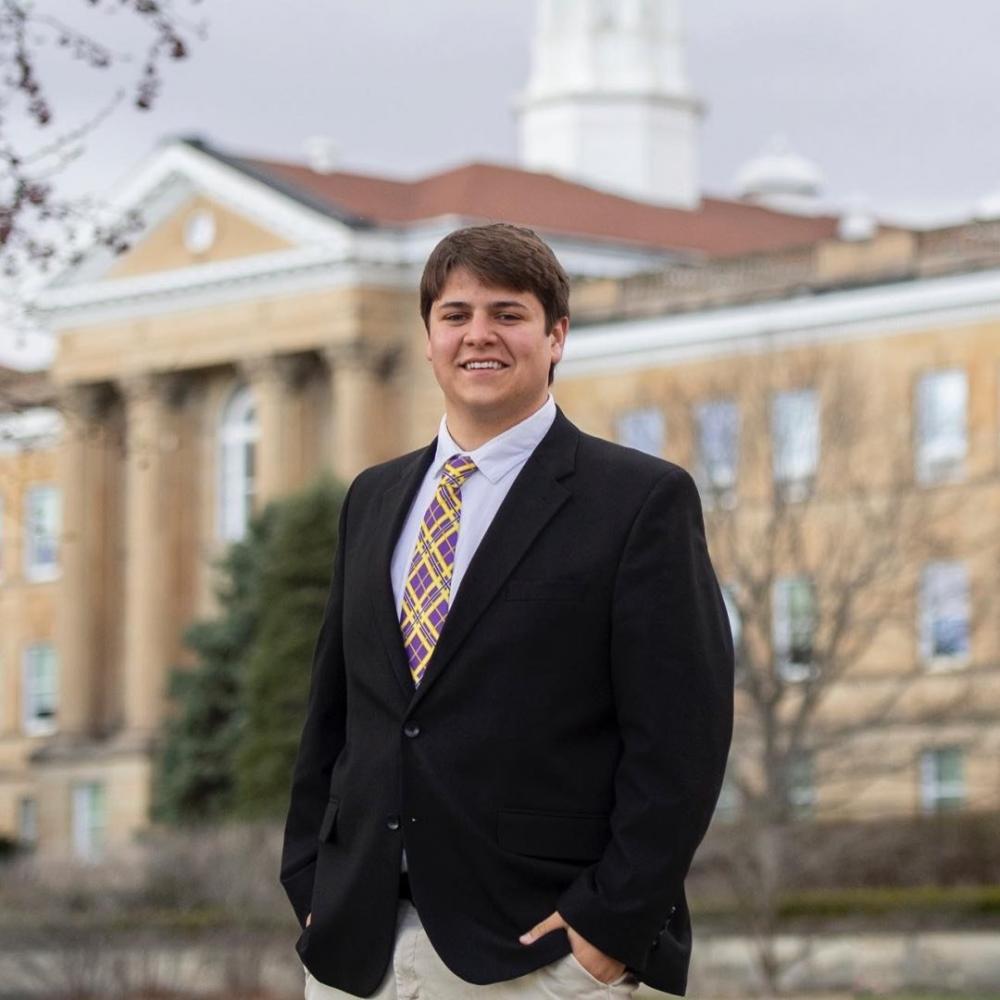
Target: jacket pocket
column 564, row 836
column 328, row 827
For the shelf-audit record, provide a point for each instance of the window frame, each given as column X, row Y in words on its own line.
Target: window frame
column 801, row 796
column 636, row 416
column 86, row 845
column 789, row 670
column 31, row 723
column 34, row 571
column 716, row 493
column 729, row 804
column 792, row 483
column 27, row 831
column 3, row 538
column 933, row 789
column 949, row 464
column 238, row 458
column 931, row 659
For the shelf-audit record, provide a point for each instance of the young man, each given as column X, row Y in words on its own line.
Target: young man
column 521, row 699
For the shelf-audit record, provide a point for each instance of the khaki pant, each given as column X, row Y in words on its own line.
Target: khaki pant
column 416, row 973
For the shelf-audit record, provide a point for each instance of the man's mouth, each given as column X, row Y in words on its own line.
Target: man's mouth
column 472, row 366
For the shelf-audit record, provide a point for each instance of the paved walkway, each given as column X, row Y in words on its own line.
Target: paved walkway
column 951, row 962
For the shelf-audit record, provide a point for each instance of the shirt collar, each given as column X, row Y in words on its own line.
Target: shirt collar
column 496, row 457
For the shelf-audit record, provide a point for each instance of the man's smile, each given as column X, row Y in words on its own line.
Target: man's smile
column 483, row 366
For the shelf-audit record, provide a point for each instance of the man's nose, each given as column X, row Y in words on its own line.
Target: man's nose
column 480, row 327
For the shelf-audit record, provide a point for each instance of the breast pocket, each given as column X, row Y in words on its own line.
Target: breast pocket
column 567, row 589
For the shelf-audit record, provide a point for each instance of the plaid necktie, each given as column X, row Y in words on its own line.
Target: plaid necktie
column 428, row 583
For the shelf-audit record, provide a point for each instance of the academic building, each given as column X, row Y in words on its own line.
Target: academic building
column 832, row 383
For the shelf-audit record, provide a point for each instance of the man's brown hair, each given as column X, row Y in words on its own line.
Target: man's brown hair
column 503, row 256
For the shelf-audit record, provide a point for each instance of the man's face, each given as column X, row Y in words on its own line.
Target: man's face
column 472, row 322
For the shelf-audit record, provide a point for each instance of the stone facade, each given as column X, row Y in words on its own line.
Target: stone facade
column 153, row 348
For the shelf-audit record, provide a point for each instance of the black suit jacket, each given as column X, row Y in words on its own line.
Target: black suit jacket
column 564, row 751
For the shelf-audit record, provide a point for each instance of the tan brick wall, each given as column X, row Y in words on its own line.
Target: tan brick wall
column 875, row 380
column 27, row 616
column 398, row 410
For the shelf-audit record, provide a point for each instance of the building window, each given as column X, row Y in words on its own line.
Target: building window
column 794, row 625
column 735, row 621
column 27, row 822
column 3, row 538
column 42, row 520
column 801, row 783
column 238, row 435
column 795, row 442
column 89, row 818
column 942, row 402
column 718, row 450
column 944, row 614
column 727, row 808
column 644, row 429
column 40, row 690
column 942, row 780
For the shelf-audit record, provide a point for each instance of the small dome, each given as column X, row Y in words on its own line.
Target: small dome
column 321, row 154
column 778, row 174
column 988, row 207
column 857, row 220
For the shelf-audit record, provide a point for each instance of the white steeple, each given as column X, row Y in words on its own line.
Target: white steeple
column 608, row 102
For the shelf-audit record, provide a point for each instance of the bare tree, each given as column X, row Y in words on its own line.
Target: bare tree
column 822, row 553
column 38, row 226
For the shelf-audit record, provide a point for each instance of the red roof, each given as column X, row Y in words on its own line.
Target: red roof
column 550, row 204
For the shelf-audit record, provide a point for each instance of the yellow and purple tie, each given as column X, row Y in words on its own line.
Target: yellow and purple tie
column 428, row 584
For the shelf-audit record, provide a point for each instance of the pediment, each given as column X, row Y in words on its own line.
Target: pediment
column 198, row 211
column 198, row 231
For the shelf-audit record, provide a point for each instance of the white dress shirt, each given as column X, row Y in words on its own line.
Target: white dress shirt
column 498, row 462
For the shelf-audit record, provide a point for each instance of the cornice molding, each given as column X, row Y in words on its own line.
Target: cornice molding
column 285, row 272
column 898, row 308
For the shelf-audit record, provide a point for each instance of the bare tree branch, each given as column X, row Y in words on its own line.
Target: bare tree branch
column 854, row 530
column 38, row 227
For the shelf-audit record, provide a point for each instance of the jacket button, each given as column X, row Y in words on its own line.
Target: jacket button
column 411, row 729
column 392, row 822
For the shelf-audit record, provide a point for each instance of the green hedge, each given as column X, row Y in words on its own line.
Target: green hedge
column 952, row 901
column 972, row 900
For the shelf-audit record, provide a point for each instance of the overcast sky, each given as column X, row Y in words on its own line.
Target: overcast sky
column 895, row 100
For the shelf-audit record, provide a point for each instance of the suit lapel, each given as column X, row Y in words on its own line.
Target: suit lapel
column 395, row 504
column 530, row 504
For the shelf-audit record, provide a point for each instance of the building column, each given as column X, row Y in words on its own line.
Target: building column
column 80, row 464
column 361, row 421
column 146, row 611
column 273, row 378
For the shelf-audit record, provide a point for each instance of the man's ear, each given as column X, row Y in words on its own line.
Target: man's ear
column 558, row 335
column 427, row 346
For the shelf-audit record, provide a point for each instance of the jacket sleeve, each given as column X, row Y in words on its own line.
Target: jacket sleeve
column 323, row 737
column 672, row 675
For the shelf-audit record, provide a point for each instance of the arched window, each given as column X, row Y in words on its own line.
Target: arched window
column 238, row 436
